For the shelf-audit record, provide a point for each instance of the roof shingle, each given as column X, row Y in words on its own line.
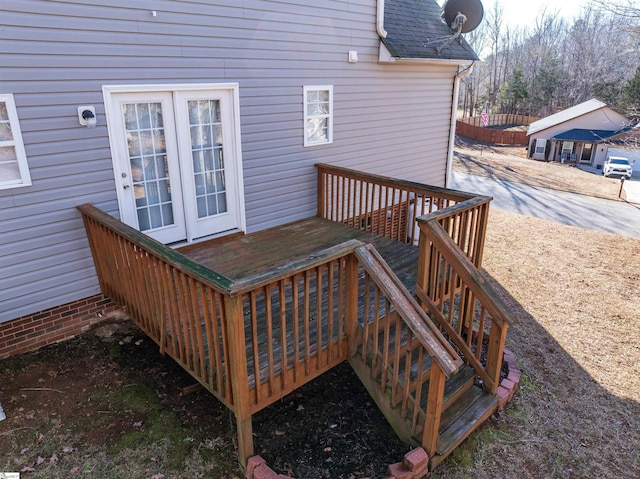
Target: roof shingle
column 415, row 29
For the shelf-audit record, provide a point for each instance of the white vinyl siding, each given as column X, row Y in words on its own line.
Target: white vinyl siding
column 14, row 170
column 318, row 115
column 57, row 55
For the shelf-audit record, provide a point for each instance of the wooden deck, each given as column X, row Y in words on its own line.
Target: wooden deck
column 386, row 277
column 261, row 256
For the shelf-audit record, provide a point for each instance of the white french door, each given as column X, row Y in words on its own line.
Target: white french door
column 177, row 160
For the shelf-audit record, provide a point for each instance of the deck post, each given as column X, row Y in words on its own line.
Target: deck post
column 424, row 249
column 321, row 191
column 239, row 376
column 495, row 350
column 351, row 320
column 434, row 410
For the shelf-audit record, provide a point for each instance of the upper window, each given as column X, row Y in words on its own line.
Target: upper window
column 14, row 171
column 318, row 115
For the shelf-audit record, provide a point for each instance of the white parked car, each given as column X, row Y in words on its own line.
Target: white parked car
column 617, row 165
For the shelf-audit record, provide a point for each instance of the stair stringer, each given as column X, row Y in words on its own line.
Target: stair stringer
column 401, row 427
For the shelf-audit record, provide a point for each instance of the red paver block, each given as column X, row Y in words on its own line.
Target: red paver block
column 398, row 471
column 416, row 460
column 264, row 472
column 514, row 375
column 252, row 463
column 503, row 397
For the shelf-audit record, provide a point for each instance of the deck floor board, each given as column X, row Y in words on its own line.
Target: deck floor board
column 248, row 256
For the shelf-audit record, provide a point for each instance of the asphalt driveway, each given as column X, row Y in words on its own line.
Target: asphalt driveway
column 566, row 208
column 632, row 189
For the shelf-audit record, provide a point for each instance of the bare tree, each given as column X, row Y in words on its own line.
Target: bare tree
column 560, row 63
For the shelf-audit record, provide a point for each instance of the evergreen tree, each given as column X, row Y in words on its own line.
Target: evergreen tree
column 609, row 92
column 631, row 97
column 513, row 92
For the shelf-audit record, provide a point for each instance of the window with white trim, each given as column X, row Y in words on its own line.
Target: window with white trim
column 14, row 171
column 318, row 115
column 541, row 145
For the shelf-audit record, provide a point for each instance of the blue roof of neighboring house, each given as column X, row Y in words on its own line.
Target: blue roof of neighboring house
column 415, row 29
column 590, row 136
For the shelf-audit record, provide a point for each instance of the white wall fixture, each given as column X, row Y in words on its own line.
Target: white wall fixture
column 87, row 116
column 353, row 56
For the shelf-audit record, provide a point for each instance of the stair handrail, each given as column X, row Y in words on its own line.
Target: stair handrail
column 435, row 239
column 445, row 360
column 409, row 309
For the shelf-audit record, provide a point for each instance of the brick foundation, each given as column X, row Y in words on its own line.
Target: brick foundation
column 35, row 330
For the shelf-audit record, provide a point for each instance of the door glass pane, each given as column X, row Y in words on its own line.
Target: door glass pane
column 149, row 168
column 205, row 130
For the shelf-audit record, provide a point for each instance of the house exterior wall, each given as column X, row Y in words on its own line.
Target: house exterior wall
column 389, row 119
column 602, row 119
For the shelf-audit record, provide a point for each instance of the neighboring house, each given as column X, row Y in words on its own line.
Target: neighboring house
column 130, row 105
column 578, row 134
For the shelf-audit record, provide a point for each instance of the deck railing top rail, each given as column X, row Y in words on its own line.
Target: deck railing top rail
column 217, row 281
column 395, row 183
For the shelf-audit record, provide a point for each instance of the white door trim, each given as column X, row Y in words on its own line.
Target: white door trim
column 109, row 91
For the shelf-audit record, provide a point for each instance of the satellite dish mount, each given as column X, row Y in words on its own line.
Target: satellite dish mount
column 462, row 16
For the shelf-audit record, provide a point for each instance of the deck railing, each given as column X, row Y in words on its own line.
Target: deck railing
column 296, row 322
column 451, row 227
column 390, row 207
column 249, row 342
column 400, row 350
column 466, row 308
column 175, row 301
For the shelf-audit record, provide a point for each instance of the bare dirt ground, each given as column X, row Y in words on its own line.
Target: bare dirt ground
column 510, row 163
column 112, row 407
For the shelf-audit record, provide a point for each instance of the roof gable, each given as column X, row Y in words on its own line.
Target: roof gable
column 565, row 115
column 415, row 30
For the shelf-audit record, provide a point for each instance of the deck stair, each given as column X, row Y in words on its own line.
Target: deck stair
column 465, row 407
column 398, row 370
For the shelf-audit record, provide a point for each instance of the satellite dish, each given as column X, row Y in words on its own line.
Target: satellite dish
column 465, row 13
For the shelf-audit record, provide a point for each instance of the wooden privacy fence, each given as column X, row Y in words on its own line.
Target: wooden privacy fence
column 489, row 135
column 473, row 128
